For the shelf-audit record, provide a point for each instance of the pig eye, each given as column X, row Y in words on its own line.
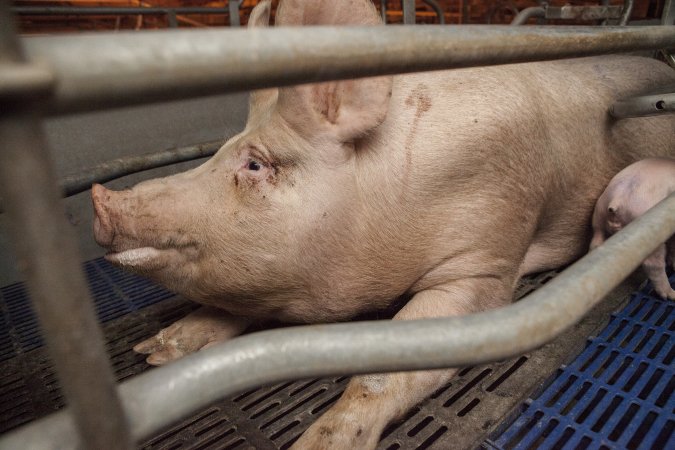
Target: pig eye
column 254, row 165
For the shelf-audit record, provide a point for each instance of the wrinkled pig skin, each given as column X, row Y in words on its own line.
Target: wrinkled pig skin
column 632, row 192
column 339, row 198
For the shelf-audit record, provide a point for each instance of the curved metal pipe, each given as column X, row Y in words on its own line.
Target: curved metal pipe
column 166, row 394
column 120, row 167
column 627, row 11
column 437, row 9
column 107, row 70
column 528, row 13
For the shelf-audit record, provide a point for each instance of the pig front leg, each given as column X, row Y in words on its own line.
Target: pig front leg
column 198, row 330
column 655, row 267
column 371, row 402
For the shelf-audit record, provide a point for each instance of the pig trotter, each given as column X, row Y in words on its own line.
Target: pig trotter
column 196, row 331
column 371, row 402
column 655, row 267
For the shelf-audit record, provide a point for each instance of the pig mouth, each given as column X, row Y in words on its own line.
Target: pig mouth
column 148, row 258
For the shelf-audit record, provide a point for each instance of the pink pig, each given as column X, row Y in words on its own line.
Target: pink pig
column 630, row 194
column 440, row 188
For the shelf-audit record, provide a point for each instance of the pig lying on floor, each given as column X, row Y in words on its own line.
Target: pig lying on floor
column 338, row 198
column 630, row 194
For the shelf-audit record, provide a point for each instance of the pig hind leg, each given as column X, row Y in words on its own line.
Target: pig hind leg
column 196, row 331
column 655, row 267
column 371, row 402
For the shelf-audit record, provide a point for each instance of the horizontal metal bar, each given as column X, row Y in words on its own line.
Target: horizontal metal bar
column 105, row 70
column 647, row 105
column 590, row 12
column 164, row 395
column 24, row 80
column 103, row 11
column 116, row 168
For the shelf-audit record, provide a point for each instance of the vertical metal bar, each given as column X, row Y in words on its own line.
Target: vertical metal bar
column 173, row 20
column 409, row 12
column 47, row 254
column 233, row 6
column 668, row 17
column 383, row 10
column 627, row 11
column 437, row 9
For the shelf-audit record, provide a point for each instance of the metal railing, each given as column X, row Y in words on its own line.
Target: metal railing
column 76, row 74
column 172, row 14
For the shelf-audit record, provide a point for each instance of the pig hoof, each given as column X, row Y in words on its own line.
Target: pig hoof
column 201, row 329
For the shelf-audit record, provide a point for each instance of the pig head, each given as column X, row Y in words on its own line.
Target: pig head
column 440, row 188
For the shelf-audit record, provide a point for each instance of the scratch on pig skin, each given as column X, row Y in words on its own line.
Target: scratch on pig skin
column 419, row 98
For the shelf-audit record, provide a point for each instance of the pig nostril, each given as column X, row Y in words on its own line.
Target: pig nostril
column 660, row 104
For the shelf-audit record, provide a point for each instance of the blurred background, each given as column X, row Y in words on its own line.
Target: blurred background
column 40, row 17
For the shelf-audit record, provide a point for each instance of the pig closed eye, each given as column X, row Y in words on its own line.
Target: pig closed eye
column 254, row 165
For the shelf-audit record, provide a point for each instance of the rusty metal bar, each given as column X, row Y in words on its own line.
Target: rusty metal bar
column 48, row 256
column 105, row 70
column 164, row 395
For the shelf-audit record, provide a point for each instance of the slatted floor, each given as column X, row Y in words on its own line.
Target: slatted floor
column 617, row 394
column 460, row 415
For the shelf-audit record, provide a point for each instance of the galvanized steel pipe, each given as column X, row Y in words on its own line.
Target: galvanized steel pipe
column 646, row 105
column 104, row 70
column 47, row 255
column 164, row 395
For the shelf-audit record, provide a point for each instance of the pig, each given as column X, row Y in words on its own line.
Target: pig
column 436, row 189
column 630, row 194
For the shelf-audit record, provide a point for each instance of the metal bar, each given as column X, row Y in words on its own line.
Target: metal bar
column 172, row 18
column 590, row 12
column 47, row 254
column 383, row 10
column 437, row 9
column 526, row 14
column 646, row 105
column 233, row 7
column 409, row 12
column 668, row 17
column 105, row 70
column 120, row 167
column 110, row 11
column 164, row 395
column 627, row 11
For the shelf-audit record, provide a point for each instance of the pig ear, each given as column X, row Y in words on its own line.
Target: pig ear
column 262, row 100
column 260, row 15
column 327, row 12
column 344, row 109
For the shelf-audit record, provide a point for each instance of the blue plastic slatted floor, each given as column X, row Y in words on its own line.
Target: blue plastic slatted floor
column 115, row 293
column 617, row 394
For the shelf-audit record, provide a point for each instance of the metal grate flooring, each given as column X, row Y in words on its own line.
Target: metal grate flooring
column 617, row 394
column 115, row 294
column 460, row 415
